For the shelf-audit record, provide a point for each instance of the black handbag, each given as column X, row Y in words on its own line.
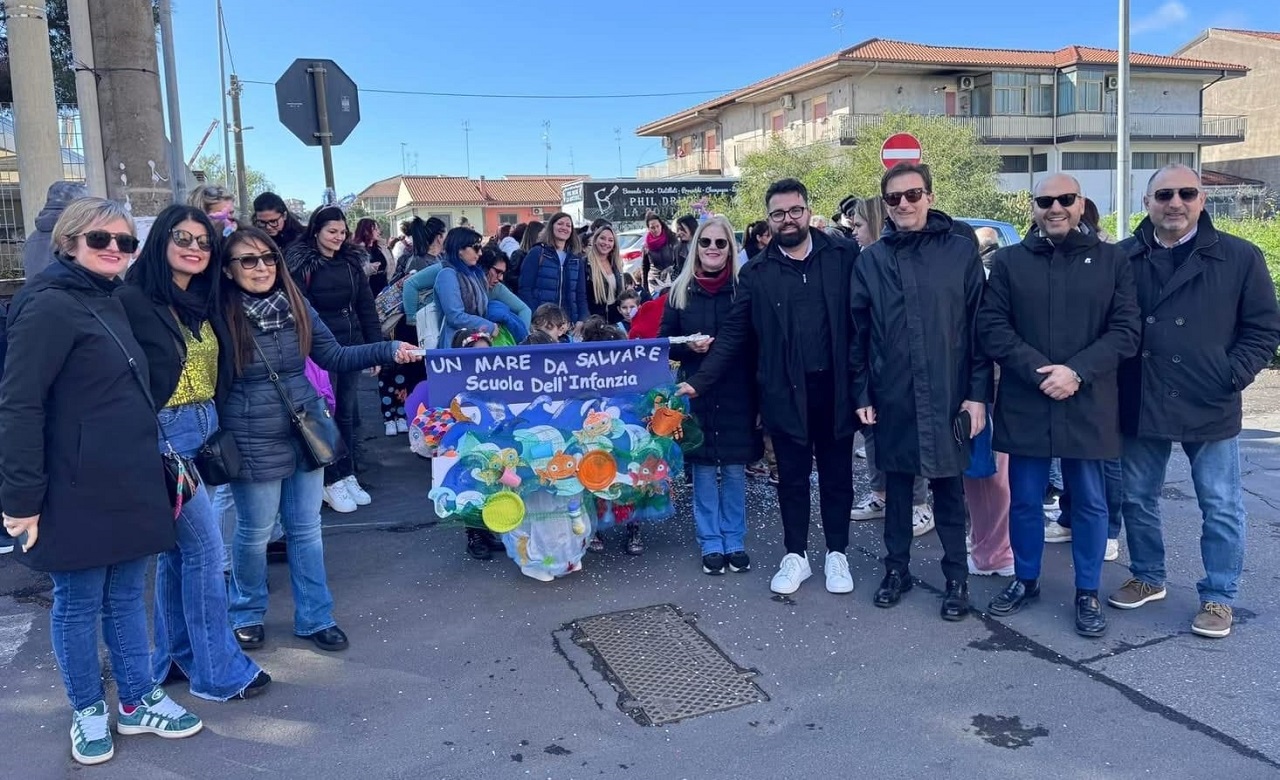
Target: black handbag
column 219, row 459
column 313, row 425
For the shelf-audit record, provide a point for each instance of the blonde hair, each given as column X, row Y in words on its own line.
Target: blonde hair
column 82, row 214
column 678, row 298
column 871, row 211
column 606, row 292
column 208, row 196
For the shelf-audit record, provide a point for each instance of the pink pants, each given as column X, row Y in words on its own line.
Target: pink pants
column 988, row 501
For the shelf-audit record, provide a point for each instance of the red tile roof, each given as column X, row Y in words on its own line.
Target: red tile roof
column 876, row 50
column 1222, row 179
column 459, row 190
column 1271, row 36
column 521, row 191
column 387, row 188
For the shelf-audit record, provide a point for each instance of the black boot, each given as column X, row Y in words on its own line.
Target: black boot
column 1090, row 621
column 955, row 604
column 1012, row 599
column 477, row 546
column 894, row 584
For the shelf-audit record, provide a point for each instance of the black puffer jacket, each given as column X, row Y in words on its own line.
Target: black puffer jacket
column 726, row 410
column 255, row 413
column 338, row 290
column 80, row 441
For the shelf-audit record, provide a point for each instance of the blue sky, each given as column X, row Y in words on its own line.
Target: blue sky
column 604, row 48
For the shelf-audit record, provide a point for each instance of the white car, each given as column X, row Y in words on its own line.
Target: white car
column 631, row 252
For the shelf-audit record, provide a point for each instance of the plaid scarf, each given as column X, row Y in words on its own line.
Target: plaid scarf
column 269, row 313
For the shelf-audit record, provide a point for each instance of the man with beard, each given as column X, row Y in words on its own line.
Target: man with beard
column 1059, row 316
column 793, row 303
column 919, row 376
column 1210, row 324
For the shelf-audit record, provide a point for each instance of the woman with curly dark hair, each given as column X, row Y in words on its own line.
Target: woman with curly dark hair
column 369, row 237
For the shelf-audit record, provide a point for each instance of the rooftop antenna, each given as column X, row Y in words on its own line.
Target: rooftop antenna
column 546, row 141
column 837, row 24
column 466, row 131
column 617, row 136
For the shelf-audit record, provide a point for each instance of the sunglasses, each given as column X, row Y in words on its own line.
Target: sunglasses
column 183, row 239
column 795, row 212
column 250, row 262
column 1046, row 201
column 912, row 195
column 477, row 247
column 1187, row 194
column 101, row 239
column 720, row 243
column 269, row 223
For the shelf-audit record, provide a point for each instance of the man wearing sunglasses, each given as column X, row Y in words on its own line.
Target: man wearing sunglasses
column 1059, row 315
column 793, row 304
column 919, row 376
column 1209, row 324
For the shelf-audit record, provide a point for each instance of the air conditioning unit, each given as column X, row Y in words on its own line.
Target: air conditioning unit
column 537, row 211
column 1113, row 83
column 966, row 82
column 788, row 101
column 666, row 142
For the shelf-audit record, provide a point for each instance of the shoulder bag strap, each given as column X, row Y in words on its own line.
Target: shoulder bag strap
column 275, row 380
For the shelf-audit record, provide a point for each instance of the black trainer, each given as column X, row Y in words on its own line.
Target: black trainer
column 713, row 564
column 894, row 584
column 1013, row 598
column 1090, row 621
column 955, row 604
column 256, row 686
column 739, row 562
column 477, row 546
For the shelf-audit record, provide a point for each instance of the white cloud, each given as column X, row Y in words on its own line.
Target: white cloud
column 1170, row 14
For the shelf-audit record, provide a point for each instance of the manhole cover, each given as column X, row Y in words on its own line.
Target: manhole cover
column 665, row 669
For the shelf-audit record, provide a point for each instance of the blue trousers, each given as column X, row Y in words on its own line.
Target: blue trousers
column 1086, row 481
column 1115, row 500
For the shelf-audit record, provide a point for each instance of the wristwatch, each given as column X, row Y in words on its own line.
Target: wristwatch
column 1079, row 381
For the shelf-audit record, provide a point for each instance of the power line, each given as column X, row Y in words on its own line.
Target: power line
column 518, row 97
column 226, row 36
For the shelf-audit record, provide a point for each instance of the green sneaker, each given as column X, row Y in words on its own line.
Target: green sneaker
column 91, row 735
column 159, row 715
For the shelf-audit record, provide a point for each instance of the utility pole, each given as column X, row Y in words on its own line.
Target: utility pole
column 124, row 51
column 466, row 132
column 404, row 167
column 179, row 177
column 1123, row 162
column 35, row 117
column 95, row 175
column 837, row 24
column 222, row 88
column 617, row 136
column 242, row 177
column 571, row 165
column 546, row 141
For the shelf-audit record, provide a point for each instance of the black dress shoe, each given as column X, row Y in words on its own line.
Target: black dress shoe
column 250, row 637
column 894, row 584
column 477, row 547
column 330, row 639
column 955, row 604
column 1090, row 621
column 1019, row 594
column 256, row 686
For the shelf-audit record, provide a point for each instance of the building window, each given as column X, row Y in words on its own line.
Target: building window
column 447, row 219
column 1020, row 94
column 1039, row 163
column 778, row 122
column 1089, row 91
column 1088, row 161
column 1150, row 161
column 1015, row 163
column 819, row 108
column 508, row 219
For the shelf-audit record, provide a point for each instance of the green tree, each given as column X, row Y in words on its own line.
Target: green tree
column 214, row 172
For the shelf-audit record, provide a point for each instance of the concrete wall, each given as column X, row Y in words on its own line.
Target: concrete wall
column 1254, row 96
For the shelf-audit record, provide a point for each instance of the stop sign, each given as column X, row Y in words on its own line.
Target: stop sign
column 900, row 148
column 296, row 101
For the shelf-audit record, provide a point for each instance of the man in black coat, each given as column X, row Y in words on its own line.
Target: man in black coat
column 1059, row 315
column 1210, row 324
column 793, row 305
column 919, row 375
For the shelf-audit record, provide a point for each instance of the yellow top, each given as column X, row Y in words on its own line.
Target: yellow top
column 199, row 375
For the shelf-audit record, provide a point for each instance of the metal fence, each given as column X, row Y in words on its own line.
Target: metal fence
column 13, row 232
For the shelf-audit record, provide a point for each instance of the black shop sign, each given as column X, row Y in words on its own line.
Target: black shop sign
column 620, row 201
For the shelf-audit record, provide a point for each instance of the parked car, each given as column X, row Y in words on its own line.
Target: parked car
column 1008, row 234
column 631, row 252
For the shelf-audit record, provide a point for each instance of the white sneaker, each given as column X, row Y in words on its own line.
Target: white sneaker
column 356, row 492
column 793, row 571
column 1005, row 572
column 839, row 580
column 861, row 452
column 1113, row 550
column 402, row 425
column 921, row 520
column 338, row 499
column 389, row 428
column 1056, row 534
column 869, row 508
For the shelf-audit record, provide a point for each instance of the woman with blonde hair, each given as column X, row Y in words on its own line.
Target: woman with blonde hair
column 218, row 202
column 699, row 303
column 84, row 490
column 605, row 280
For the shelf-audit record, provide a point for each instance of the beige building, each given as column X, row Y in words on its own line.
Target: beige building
column 1255, row 96
column 1045, row 111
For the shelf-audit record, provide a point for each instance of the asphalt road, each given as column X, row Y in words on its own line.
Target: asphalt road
column 466, row 669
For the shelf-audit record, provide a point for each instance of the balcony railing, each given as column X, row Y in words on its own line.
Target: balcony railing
column 797, row 134
column 699, row 162
column 1005, row 129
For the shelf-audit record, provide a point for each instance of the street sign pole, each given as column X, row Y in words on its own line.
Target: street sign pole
column 325, row 136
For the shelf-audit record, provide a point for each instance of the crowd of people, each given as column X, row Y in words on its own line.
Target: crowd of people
column 226, row 361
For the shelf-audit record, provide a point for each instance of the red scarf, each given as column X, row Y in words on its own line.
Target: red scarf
column 713, row 284
column 655, row 243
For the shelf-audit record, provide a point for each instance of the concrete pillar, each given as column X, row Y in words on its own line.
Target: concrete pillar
column 132, row 115
column 35, row 116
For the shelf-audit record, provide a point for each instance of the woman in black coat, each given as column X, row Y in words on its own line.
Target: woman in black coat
column 83, row 484
column 699, row 304
column 330, row 273
column 661, row 248
column 170, row 296
column 605, row 280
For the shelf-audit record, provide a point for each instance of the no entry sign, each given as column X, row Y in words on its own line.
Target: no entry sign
column 899, row 148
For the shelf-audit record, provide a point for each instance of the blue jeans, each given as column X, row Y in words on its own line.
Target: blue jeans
column 1086, row 482
column 114, row 595
column 191, row 628
column 224, row 510
column 719, row 507
column 1114, row 473
column 1215, row 473
column 296, row 499
column 1055, row 474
